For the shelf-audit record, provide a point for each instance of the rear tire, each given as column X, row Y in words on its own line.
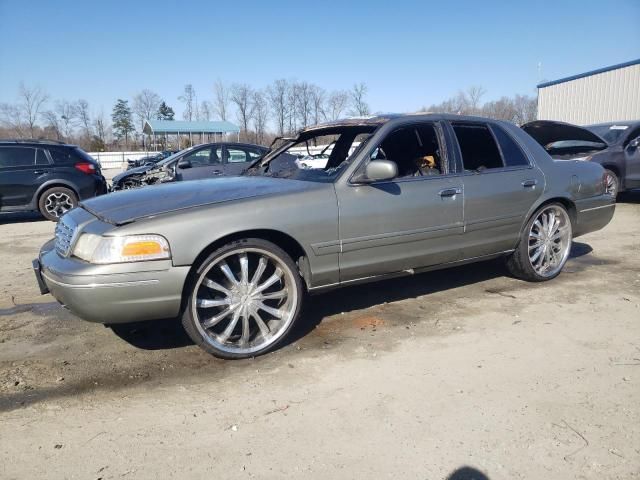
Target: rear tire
column 56, row 201
column 544, row 246
column 243, row 300
column 612, row 183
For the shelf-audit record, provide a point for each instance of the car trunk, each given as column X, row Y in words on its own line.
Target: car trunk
column 564, row 140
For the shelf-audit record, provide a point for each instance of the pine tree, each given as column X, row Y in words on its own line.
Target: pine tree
column 122, row 121
column 165, row 112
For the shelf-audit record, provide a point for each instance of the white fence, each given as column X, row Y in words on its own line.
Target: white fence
column 118, row 159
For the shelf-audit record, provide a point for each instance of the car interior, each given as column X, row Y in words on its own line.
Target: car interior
column 478, row 147
column 415, row 149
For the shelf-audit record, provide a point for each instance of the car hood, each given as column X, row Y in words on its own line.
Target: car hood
column 132, row 171
column 546, row 132
column 127, row 206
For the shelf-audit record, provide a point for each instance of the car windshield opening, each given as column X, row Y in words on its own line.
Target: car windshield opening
column 317, row 155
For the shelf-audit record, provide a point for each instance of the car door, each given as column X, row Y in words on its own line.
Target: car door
column 203, row 163
column 238, row 158
column 22, row 170
column 409, row 222
column 631, row 149
column 500, row 186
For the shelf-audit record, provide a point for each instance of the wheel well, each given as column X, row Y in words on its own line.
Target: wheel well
column 566, row 203
column 613, row 168
column 54, row 185
column 282, row 240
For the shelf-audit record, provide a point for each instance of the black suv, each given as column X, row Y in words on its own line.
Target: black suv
column 46, row 176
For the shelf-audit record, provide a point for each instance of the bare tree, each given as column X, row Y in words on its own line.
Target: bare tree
column 260, row 115
column 337, row 104
column 145, row 106
column 474, row 96
column 318, row 96
column 32, row 100
column 67, row 117
column 242, row 97
column 526, row 108
column 277, row 94
column 51, row 119
column 11, row 117
column 206, row 110
column 221, row 102
column 292, row 108
column 359, row 105
column 83, row 116
column 190, row 101
column 304, row 103
column 100, row 125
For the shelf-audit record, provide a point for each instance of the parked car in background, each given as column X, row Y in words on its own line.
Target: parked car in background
column 150, row 160
column 615, row 146
column 200, row 161
column 235, row 257
column 45, row 176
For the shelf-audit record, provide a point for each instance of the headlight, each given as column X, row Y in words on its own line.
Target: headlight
column 133, row 248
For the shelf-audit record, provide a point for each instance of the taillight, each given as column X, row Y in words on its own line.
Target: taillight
column 86, row 167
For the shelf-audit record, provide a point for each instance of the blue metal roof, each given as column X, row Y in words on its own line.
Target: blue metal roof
column 175, row 126
column 588, row 74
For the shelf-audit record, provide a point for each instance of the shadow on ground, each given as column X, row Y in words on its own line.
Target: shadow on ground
column 21, row 217
column 167, row 334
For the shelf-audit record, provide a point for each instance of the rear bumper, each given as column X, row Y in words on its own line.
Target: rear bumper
column 112, row 298
column 593, row 214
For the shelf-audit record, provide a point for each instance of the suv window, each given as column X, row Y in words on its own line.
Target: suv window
column 512, row 154
column 41, row 157
column 478, row 147
column 17, row 156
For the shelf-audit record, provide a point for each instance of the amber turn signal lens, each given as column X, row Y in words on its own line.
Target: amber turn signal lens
column 141, row 248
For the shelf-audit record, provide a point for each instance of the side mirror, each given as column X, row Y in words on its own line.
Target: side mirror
column 635, row 143
column 377, row 171
column 184, row 163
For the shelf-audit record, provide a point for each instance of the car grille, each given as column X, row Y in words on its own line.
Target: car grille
column 65, row 233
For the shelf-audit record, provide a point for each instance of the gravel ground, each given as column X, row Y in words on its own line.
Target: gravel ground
column 440, row 375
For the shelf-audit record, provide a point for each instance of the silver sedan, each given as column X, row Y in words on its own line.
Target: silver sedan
column 389, row 195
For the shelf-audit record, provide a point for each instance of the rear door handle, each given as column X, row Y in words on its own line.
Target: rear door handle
column 217, row 172
column 40, row 172
column 449, row 192
column 529, row 183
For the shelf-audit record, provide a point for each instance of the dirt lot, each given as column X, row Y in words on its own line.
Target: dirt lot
column 410, row 378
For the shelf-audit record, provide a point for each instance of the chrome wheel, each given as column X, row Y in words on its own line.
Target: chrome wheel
column 611, row 183
column 244, row 301
column 58, row 203
column 549, row 241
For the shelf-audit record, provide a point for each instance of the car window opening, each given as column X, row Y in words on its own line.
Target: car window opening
column 478, row 147
column 415, row 150
column 316, row 155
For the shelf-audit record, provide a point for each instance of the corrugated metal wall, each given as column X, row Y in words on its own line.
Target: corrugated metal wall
column 604, row 97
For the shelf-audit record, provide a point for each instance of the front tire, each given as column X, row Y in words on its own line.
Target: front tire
column 544, row 246
column 57, row 201
column 243, row 300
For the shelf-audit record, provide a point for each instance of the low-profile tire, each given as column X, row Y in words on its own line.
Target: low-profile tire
column 611, row 183
column 243, row 299
column 56, row 201
column 544, row 246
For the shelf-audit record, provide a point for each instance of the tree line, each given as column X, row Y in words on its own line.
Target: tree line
column 281, row 108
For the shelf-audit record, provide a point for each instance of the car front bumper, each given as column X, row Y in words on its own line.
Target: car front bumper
column 152, row 291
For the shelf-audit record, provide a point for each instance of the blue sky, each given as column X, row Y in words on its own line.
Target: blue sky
column 410, row 53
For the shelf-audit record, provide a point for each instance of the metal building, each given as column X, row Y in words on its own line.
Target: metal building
column 608, row 94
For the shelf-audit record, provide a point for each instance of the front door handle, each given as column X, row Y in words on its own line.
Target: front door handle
column 529, row 183
column 449, row 192
column 217, row 172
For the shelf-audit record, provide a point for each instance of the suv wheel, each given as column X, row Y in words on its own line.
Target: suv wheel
column 56, row 201
column 243, row 299
column 544, row 246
